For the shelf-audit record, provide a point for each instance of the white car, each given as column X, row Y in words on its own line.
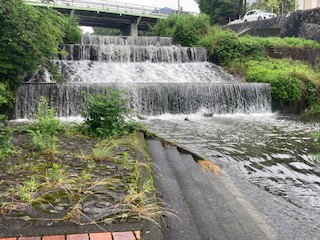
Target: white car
column 257, row 14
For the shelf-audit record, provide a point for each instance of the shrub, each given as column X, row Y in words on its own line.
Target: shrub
column 185, row 29
column 108, row 114
column 44, row 134
column 283, row 87
column 224, row 46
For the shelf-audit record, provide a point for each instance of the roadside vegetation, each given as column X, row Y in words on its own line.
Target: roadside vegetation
column 282, row 62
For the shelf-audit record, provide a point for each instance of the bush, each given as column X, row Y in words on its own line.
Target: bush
column 44, row 134
column 185, row 29
column 224, row 46
column 290, row 81
column 108, row 114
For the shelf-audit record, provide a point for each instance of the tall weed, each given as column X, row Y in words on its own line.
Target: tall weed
column 44, row 132
column 108, row 115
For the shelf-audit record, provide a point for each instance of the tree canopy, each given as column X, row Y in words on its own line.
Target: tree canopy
column 220, row 10
column 276, row 6
column 29, row 36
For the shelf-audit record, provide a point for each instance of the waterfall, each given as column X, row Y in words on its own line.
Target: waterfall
column 126, row 40
column 150, row 99
column 156, row 76
column 133, row 53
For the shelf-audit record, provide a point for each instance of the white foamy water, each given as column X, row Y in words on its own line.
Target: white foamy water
column 146, row 72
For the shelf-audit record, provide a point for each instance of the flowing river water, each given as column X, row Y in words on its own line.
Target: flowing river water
column 267, row 156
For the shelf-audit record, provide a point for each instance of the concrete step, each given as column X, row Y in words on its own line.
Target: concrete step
column 205, row 219
column 200, row 199
column 234, row 220
column 181, row 227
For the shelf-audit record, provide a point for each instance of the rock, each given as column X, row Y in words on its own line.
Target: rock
column 186, row 119
column 142, row 118
column 208, row 114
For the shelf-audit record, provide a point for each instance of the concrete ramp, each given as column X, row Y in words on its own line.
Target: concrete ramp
column 261, row 32
column 204, row 206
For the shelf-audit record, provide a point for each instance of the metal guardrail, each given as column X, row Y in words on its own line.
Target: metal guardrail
column 102, row 5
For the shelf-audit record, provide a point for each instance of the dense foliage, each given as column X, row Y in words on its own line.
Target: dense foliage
column 29, row 36
column 72, row 31
column 108, row 115
column 291, row 81
column 276, row 6
column 221, row 10
column 185, row 29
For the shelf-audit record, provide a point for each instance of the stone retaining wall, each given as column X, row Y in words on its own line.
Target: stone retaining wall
column 305, row 24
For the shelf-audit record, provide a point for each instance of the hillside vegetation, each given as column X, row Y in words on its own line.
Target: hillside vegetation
column 285, row 63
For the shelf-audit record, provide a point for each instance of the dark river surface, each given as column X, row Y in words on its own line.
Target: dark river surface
column 269, row 158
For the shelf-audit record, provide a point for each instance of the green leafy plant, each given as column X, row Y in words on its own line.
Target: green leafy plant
column 124, row 162
column 108, row 115
column 6, row 146
column 185, row 29
column 44, row 133
column 27, row 191
column 73, row 33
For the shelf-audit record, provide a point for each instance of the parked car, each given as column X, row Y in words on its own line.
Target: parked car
column 257, row 14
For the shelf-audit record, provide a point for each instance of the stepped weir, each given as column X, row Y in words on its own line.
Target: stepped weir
column 158, row 78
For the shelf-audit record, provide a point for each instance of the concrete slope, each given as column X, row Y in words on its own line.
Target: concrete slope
column 200, row 195
column 181, row 227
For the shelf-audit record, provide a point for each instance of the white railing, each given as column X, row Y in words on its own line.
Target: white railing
column 103, row 5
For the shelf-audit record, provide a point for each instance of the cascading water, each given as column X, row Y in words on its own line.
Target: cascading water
column 269, row 159
column 158, row 77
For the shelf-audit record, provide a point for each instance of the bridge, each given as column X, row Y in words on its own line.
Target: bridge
column 129, row 18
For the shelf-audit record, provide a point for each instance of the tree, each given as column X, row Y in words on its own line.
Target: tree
column 287, row 6
column 220, row 10
column 73, row 33
column 268, row 5
column 29, row 36
column 276, row 6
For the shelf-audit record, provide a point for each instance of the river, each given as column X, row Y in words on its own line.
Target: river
column 268, row 157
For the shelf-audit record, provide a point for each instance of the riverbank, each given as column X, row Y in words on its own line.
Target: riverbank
column 89, row 185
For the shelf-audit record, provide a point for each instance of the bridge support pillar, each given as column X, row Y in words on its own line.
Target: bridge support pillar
column 132, row 29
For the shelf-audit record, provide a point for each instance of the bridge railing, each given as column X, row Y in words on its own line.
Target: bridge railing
column 102, row 5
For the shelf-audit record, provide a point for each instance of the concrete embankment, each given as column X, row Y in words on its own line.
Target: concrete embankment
column 205, row 208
